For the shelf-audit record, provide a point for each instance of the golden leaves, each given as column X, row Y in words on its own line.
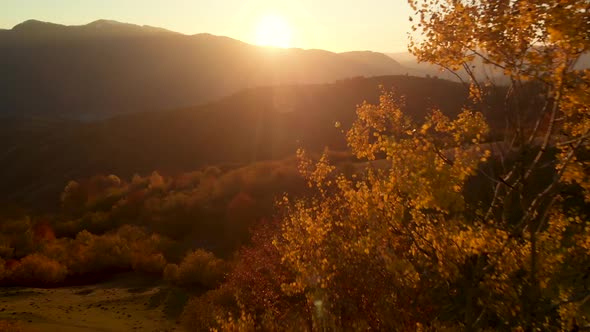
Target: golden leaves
column 401, row 230
column 391, row 219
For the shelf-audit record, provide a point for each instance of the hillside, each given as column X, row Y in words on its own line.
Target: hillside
column 40, row 156
column 106, row 67
column 482, row 71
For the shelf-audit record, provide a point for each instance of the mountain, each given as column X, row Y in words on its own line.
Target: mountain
column 377, row 63
column 409, row 61
column 39, row 156
column 39, row 29
column 482, row 71
column 106, row 67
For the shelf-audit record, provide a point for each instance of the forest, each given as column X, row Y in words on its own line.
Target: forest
column 387, row 203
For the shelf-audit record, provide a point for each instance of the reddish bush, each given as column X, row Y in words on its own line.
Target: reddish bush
column 199, row 268
column 259, row 273
column 202, row 312
column 37, row 269
column 148, row 263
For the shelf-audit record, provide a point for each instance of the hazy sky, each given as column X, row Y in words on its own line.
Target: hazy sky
column 335, row 25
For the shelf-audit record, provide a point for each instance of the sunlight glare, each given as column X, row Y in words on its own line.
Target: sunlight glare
column 275, row 31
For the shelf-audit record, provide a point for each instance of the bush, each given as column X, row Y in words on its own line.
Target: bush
column 91, row 253
column 130, row 248
column 16, row 237
column 244, row 323
column 202, row 312
column 152, row 264
column 199, row 268
column 37, row 269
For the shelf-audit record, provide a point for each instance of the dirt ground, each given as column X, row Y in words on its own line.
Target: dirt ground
column 126, row 303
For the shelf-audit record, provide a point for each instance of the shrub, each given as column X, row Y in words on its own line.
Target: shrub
column 16, row 237
column 156, row 181
column 148, row 263
column 200, row 268
column 244, row 323
column 129, row 248
column 37, row 269
column 91, row 253
column 73, row 197
column 258, row 274
column 202, row 312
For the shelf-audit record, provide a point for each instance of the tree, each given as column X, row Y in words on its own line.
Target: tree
column 532, row 43
column 401, row 245
column 376, row 249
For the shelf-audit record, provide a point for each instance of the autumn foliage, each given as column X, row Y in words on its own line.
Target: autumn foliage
column 198, row 269
column 409, row 242
column 426, row 224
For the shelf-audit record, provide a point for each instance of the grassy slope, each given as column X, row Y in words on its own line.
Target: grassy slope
column 126, row 303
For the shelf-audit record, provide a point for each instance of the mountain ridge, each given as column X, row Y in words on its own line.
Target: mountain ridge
column 106, row 68
column 38, row 26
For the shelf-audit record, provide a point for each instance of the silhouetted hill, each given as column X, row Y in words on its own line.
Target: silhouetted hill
column 482, row 71
column 106, row 67
column 39, row 156
column 378, row 63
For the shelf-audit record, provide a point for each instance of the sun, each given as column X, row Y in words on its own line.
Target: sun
column 273, row 30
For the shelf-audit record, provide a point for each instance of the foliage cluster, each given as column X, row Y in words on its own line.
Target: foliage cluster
column 109, row 225
column 196, row 206
column 401, row 245
column 51, row 262
column 198, row 269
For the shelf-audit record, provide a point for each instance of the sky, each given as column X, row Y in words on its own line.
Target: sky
column 334, row 25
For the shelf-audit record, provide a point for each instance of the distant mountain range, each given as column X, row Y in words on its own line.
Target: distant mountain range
column 106, row 68
column 481, row 70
